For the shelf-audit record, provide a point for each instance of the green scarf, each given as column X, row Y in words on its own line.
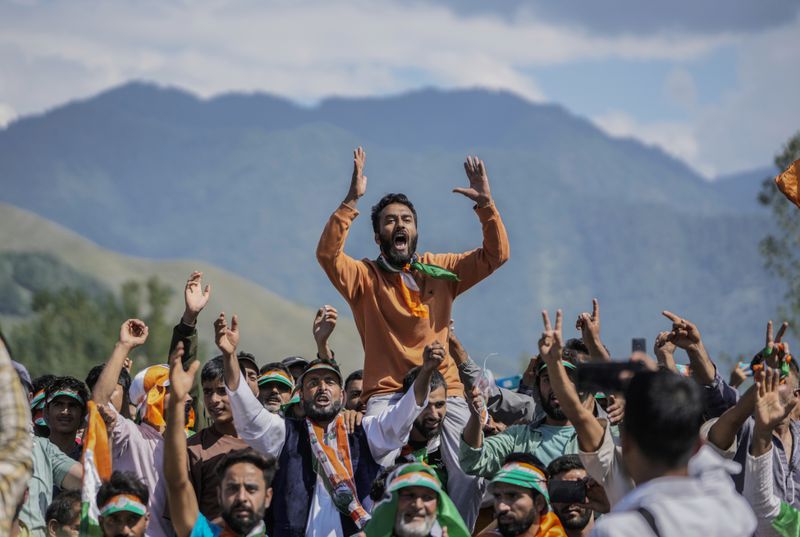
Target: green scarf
column 433, row 271
column 410, row 475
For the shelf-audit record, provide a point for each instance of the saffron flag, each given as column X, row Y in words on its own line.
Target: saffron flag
column 96, row 461
column 788, row 182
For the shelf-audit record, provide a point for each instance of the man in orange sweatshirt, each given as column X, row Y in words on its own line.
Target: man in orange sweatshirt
column 402, row 301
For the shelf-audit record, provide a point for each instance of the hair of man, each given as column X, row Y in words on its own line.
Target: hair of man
column 387, row 200
column 663, row 415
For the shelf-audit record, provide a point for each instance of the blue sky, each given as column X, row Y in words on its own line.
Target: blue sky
column 712, row 82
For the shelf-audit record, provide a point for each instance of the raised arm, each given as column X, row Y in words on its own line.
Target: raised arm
column 664, row 350
column 183, row 503
column 261, row 429
column 344, row 272
column 473, row 266
column 388, row 431
column 589, row 430
column 195, row 299
column 324, row 324
column 723, row 433
column 132, row 333
column 589, row 326
column 686, row 336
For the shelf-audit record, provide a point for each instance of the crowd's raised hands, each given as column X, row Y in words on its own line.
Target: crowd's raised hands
column 685, row 335
column 226, row 338
column 588, row 324
column 195, row 298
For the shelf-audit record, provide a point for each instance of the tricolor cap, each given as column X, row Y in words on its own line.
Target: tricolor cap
column 276, row 375
column 321, row 363
column 66, row 393
column 523, row 475
column 38, row 402
column 123, row 502
column 415, row 474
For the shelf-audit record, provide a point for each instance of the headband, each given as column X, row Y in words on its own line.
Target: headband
column 568, row 365
column 523, row 475
column 276, row 375
column 66, row 393
column 415, row 479
column 123, row 502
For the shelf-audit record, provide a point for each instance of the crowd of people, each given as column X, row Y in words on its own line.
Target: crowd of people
column 421, row 442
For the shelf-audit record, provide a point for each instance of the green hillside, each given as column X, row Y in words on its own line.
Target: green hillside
column 271, row 326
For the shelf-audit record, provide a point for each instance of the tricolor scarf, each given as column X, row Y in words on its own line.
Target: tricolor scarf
column 407, row 286
column 414, row 475
column 96, row 462
column 335, row 468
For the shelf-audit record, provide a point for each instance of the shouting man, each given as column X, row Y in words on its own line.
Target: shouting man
column 402, row 300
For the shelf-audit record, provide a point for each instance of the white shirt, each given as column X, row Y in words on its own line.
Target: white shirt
column 705, row 503
column 758, row 491
column 266, row 432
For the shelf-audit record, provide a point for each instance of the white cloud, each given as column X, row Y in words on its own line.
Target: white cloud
column 674, row 137
column 304, row 50
column 52, row 52
column 7, row 115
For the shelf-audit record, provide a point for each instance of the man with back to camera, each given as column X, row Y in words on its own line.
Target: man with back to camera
column 402, row 301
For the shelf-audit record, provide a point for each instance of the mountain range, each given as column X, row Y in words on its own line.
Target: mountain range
column 247, row 181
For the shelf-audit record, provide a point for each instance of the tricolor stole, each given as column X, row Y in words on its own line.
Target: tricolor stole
column 96, row 461
column 336, row 470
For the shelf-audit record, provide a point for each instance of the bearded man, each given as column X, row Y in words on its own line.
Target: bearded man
column 402, row 301
column 325, row 473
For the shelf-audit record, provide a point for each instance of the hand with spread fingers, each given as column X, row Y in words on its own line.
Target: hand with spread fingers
column 478, row 190
column 195, row 298
column 772, row 409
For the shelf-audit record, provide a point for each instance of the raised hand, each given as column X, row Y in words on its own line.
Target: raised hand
column 433, row 356
column 770, row 410
column 180, row 381
column 551, row 343
column 478, row 190
column 324, row 323
column 615, row 409
column 774, row 344
column 664, row 350
column 195, row 297
column 133, row 333
column 227, row 339
column 358, row 184
column 477, row 404
column 738, row 376
column 684, row 334
column 457, row 350
column 589, row 324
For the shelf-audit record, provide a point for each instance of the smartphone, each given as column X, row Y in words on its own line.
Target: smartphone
column 607, row 377
column 639, row 344
column 563, row 491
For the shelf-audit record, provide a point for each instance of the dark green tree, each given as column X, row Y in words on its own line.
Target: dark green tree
column 781, row 248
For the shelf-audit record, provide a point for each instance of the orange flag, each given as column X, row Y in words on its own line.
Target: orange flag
column 96, row 461
column 788, row 182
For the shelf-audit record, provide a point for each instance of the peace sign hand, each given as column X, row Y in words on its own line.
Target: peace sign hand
column 551, row 341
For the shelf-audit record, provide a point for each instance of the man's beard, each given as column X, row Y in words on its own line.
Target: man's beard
column 512, row 529
column 414, row 529
column 387, row 245
column 316, row 413
column 425, row 432
column 551, row 410
column 242, row 526
column 575, row 523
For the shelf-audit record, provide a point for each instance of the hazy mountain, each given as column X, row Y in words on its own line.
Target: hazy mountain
column 248, row 181
column 76, row 262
